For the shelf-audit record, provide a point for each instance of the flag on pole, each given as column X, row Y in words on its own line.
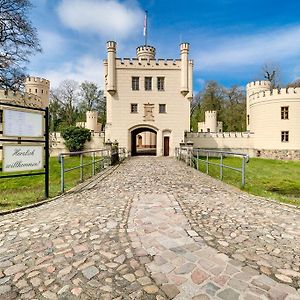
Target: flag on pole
column 145, row 26
column 145, row 23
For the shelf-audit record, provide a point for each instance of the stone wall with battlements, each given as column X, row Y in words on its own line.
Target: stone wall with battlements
column 267, row 123
column 20, row 98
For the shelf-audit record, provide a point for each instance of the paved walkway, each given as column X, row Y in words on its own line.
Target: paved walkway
column 154, row 229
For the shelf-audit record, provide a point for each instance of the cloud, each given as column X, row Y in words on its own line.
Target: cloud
column 247, row 50
column 107, row 18
column 87, row 68
column 51, row 42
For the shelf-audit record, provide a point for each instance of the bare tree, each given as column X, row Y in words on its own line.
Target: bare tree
column 18, row 40
column 66, row 96
column 92, row 98
column 271, row 73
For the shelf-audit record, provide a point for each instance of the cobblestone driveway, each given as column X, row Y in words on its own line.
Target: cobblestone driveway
column 154, row 229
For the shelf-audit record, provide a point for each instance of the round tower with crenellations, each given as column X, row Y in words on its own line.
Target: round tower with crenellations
column 92, row 120
column 39, row 87
column 254, row 88
column 145, row 52
column 211, row 121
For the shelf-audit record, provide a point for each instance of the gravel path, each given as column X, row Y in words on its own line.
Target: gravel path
column 154, row 229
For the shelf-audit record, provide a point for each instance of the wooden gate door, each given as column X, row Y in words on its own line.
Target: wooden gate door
column 166, row 145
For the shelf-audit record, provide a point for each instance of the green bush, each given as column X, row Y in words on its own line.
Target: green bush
column 75, row 137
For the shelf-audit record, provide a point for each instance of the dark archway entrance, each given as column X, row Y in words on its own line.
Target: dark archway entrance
column 143, row 141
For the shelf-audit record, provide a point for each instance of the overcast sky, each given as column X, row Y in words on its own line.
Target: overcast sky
column 230, row 39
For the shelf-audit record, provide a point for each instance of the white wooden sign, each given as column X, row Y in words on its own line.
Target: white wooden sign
column 22, row 158
column 18, row 123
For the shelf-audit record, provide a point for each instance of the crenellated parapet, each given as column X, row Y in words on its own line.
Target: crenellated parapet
column 211, row 114
column 259, row 84
column 133, row 63
column 145, row 52
column 275, row 94
column 20, row 98
column 37, row 80
column 39, row 87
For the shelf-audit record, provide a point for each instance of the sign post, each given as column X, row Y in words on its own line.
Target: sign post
column 26, row 136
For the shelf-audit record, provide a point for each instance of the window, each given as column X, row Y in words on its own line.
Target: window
column 284, row 136
column 162, row 108
column 1, row 116
column 208, row 129
column 135, row 83
column 284, row 112
column 36, row 91
column 160, row 83
column 248, row 119
column 148, row 83
column 134, row 108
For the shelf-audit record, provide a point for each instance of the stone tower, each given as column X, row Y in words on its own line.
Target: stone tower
column 145, row 52
column 254, row 88
column 148, row 94
column 91, row 120
column 211, row 121
column 184, row 55
column 39, row 87
column 111, row 67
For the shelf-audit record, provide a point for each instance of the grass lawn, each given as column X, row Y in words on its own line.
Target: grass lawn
column 279, row 180
column 17, row 192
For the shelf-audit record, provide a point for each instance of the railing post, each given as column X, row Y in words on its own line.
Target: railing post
column 207, row 168
column 198, row 160
column 221, row 167
column 243, row 171
column 62, row 174
column 93, row 164
column 81, row 167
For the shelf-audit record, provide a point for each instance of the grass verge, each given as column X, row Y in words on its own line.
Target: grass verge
column 279, row 180
column 18, row 192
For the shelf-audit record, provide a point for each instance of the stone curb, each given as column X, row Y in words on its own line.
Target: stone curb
column 76, row 188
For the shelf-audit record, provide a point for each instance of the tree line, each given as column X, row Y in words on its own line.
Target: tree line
column 70, row 101
column 230, row 104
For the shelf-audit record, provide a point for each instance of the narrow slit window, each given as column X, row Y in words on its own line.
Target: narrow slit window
column 162, row 108
column 148, row 83
column 135, row 83
column 134, row 108
column 160, row 83
column 284, row 113
column 284, row 136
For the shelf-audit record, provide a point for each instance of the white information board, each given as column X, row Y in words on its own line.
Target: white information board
column 18, row 123
column 22, row 158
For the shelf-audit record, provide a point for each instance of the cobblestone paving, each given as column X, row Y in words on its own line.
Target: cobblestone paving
column 154, row 229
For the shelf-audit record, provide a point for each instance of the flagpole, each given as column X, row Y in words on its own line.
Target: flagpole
column 146, row 27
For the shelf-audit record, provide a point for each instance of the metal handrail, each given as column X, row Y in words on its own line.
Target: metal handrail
column 193, row 154
column 104, row 161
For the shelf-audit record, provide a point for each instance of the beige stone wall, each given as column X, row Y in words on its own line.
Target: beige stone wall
column 120, row 120
column 266, row 122
column 230, row 141
column 146, row 139
column 57, row 144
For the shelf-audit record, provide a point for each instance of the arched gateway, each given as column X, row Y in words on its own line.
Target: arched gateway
column 148, row 100
column 143, row 141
